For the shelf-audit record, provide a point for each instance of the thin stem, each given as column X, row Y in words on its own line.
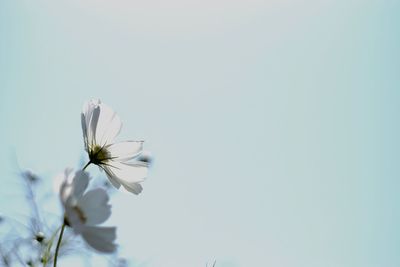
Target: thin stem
column 87, row 164
column 58, row 244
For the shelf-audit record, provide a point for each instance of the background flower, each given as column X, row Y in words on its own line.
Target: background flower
column 85, row 210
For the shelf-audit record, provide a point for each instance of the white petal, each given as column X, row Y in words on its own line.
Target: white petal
column 73, row 219
column 128, row 172
column 127, row 150
column 90, row 116
column 65, row 187
column 65, row 193
column 100, row 238
column 135, row 188
column 88, row 108
column 69, row 175
column 114, row 181
column 108, row 126
column 80, row 183
column 73, row 185
column 95, row 207
column 84, row 131
column 93, row 126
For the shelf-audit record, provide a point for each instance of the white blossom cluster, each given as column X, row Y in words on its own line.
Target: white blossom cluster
column 85, row 210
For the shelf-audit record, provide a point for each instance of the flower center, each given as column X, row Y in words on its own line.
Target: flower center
column 98, row 154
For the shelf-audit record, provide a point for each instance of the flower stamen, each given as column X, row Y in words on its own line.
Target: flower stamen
column 98, row 155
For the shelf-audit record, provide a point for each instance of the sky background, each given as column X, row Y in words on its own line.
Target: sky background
column 273, row 124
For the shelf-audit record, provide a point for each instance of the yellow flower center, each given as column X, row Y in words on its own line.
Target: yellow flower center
column 98, row 154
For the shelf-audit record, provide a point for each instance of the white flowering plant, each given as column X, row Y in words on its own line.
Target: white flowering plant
column 84, row 210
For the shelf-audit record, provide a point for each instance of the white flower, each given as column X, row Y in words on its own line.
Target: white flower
column 100, row 125
column 83, row 211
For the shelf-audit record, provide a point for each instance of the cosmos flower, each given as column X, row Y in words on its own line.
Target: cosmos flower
column 100, row 125
column 83, row 211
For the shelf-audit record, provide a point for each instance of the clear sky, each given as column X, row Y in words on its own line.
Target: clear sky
column 273, row 124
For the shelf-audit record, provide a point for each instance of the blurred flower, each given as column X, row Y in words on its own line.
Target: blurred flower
column 85, row 210
column 146, row 157
column 39, row 237
column 100, row 125
column 30, row 176
column 121, row 262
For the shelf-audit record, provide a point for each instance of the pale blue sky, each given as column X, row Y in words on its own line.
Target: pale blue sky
column 273, row 124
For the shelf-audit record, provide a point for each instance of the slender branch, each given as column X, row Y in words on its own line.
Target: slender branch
column 31, row 199
column 58, row 244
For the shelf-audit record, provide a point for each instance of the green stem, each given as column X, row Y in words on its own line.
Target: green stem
column 58, row 244
column 87, row 164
